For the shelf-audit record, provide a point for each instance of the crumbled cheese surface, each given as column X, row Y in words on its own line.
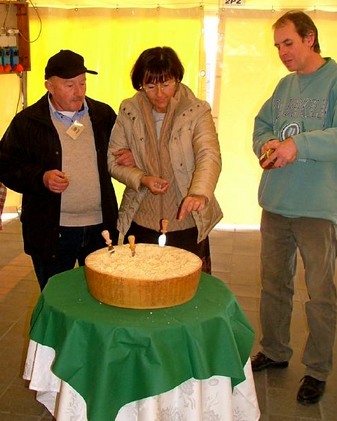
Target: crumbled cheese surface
column 150, row 262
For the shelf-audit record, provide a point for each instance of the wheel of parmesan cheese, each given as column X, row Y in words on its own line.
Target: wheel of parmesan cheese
column 154, row 277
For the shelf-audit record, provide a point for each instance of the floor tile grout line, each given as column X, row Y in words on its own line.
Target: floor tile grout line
column 12, row 326
column 5, row 391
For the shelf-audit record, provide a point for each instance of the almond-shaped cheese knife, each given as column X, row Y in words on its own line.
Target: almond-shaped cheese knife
column 162, row 237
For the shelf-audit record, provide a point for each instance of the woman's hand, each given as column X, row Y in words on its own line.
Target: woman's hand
column 156, row 185
column 191, row 203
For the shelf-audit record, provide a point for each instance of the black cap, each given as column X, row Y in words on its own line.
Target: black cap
column 66, row 64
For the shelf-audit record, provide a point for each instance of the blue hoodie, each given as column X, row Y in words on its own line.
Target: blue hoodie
column 303, row 107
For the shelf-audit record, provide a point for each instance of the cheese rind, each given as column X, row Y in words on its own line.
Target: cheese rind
column 155, row 277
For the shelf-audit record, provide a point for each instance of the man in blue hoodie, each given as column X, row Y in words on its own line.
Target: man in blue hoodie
column 298, row 195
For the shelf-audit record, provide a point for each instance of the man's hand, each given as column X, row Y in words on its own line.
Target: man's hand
column 156, row 185
column 125, row 158
column 56, row 181
column 271, row 144
column 284, row 152
column 191, row 203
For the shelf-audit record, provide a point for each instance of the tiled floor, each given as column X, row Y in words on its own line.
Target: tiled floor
column 235, row 257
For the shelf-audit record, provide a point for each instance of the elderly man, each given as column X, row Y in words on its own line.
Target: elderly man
column 54, row 152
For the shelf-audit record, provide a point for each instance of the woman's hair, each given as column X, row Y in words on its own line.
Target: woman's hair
column 155, row 65
column 303, row 23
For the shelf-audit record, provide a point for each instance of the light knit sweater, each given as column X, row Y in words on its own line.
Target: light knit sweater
column 81, row 201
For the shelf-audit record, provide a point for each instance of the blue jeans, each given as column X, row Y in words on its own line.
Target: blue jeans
column 75, row 243
column 316, row 240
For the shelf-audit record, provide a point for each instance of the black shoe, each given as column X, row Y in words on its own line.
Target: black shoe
column 311, row 390
column 261, row 362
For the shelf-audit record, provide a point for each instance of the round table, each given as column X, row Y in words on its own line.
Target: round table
column 113, row 356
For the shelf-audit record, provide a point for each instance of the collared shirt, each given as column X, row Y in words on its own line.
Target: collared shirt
column 68, row 117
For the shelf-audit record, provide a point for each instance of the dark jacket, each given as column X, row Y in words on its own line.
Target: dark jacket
column 30, row 147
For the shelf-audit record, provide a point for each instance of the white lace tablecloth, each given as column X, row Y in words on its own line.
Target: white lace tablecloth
column 194, row 400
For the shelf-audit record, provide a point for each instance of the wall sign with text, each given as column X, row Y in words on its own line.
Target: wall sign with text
column 234, row 2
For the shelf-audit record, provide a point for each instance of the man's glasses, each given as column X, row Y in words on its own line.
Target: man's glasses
column 163, row 86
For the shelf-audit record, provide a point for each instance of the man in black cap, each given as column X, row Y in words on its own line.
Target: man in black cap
column 54, row 152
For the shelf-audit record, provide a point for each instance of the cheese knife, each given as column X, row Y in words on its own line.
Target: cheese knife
column 131, row 239
column 162, row 237
column 108, row 241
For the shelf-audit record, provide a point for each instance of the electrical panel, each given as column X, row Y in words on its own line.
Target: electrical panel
column 14, row 37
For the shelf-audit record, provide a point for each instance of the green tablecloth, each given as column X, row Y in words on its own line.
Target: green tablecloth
column 112, row 356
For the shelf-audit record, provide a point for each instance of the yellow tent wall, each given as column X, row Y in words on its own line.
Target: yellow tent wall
column 240, row 60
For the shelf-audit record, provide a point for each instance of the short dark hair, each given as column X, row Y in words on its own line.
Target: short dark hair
column 303, row 24
column 156, row 65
